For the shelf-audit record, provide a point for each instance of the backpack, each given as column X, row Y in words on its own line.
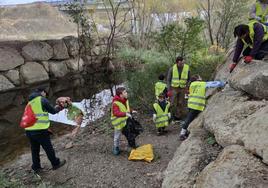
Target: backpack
column 28, row 118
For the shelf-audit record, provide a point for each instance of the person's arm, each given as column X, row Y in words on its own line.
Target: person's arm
column 169, row 78
column 48, row 107
column 238, row 50
column 215, row 84
column 258, row 36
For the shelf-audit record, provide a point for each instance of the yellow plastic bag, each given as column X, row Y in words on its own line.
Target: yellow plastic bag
column 144, row 152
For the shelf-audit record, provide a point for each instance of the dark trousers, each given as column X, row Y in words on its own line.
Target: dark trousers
column 261, row 53
column 192, row 114
column 42, row 138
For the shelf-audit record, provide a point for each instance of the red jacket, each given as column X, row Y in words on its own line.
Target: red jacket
column 115, row 109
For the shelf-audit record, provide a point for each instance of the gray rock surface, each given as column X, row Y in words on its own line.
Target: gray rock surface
column 58, row 69
column 37, row 51
column 9, row 59
column 75, row 65
column 13, row 76
column 5, row 84
column 33, row 72
column 72, row 45
column 60, row 50
column 45, row 64
column 233, row 168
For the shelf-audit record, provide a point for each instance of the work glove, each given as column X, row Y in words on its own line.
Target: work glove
column 154, row 117
column 232, row 66
column 169, row 115
column 128, row 115
column 258, row 18
column 169, row 93
column 248, row 59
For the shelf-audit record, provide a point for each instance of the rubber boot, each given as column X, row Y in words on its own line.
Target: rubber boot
column 116, row 151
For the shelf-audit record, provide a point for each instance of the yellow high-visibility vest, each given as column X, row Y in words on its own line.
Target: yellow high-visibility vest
column 161, row 115
column 176, row 80
column 252, row 33
column 120, row 122
column 159, row 88
column 261, row 13
column 42, row 122
column 197, row 96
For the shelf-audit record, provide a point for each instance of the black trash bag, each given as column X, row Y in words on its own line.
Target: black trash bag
column 132, row 129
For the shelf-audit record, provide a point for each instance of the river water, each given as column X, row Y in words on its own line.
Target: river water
column 91, row 92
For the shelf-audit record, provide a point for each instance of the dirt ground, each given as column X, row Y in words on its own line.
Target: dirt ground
column 90, row 162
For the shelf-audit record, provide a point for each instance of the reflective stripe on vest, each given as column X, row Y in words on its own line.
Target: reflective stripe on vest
column 176, row 81
column 252, row 33
column 159, row 88
column 197, row 96
column 120, row 122
column 260, row 12
column 161, row 116
column 42, row 116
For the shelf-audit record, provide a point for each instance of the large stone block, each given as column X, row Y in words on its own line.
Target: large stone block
column 5, row 84
column 9, row 59
column 13, row 76
column 58, row 69
column 60, row 50
column 72, row 45
column 37, row 51
column 75, row 65
column 33, row 72
column 233, row 168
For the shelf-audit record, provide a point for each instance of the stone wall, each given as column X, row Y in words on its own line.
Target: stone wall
column 26, row 63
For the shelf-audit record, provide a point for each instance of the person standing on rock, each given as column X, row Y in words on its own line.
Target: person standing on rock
column 38, row 134
column 120, row 112
column 259, row 11
column 177, row 82
column 253, row 38
column 196, row 101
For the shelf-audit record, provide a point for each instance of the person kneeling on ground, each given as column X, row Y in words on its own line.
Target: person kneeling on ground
column 162, row 115
column 38, row 134
column 197, row 101
column 120, row 112
column 253, row 38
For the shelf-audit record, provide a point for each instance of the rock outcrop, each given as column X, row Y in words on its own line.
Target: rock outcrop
column 9, row 59
column 29, row 76
column 237, row 117
column 5, row 84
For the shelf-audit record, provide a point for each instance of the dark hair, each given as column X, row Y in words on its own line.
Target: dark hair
column 241, row 30
column 40, row 89
column 179, row 58
column 161, row 77
column 119, row 91
column 194, row 78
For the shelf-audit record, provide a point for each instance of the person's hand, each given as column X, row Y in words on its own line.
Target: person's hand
column 248, row 59
column 169, row 115
column 75, row 131
column 169, row 93
column 258, row 18
column 154, row 117
column 134, row 112
column 128, row 115
column 232, row 66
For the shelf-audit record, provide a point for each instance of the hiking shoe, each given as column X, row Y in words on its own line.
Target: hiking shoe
column 183, row 137
column 116, row 151
column 59, row 165
column 38, row 170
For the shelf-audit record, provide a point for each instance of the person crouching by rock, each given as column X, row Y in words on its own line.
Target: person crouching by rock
column 120, row 112
column 196, row 101
column 161, row 114
column 38, row 134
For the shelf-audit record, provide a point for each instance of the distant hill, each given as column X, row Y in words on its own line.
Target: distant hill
column 37, row 21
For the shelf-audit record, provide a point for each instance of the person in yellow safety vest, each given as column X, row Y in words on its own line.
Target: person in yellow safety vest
column 197, row 101
column 120, row 112
column 252, row 40
column 161, row 114
column 177, row 83
column 38, row 134
column 259, row 11
column 160, row 86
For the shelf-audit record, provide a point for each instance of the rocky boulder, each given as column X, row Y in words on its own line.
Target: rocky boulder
column 75, row 65
column 5, row 84
column 37, row 51
column 233, row 168
column 60, row 50
column 9, row 59
column 58, row 69
column 13, row 76
column 72, row 45
column 33, row 72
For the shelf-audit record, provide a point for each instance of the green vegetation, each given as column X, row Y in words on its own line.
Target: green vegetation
column 4, row 182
